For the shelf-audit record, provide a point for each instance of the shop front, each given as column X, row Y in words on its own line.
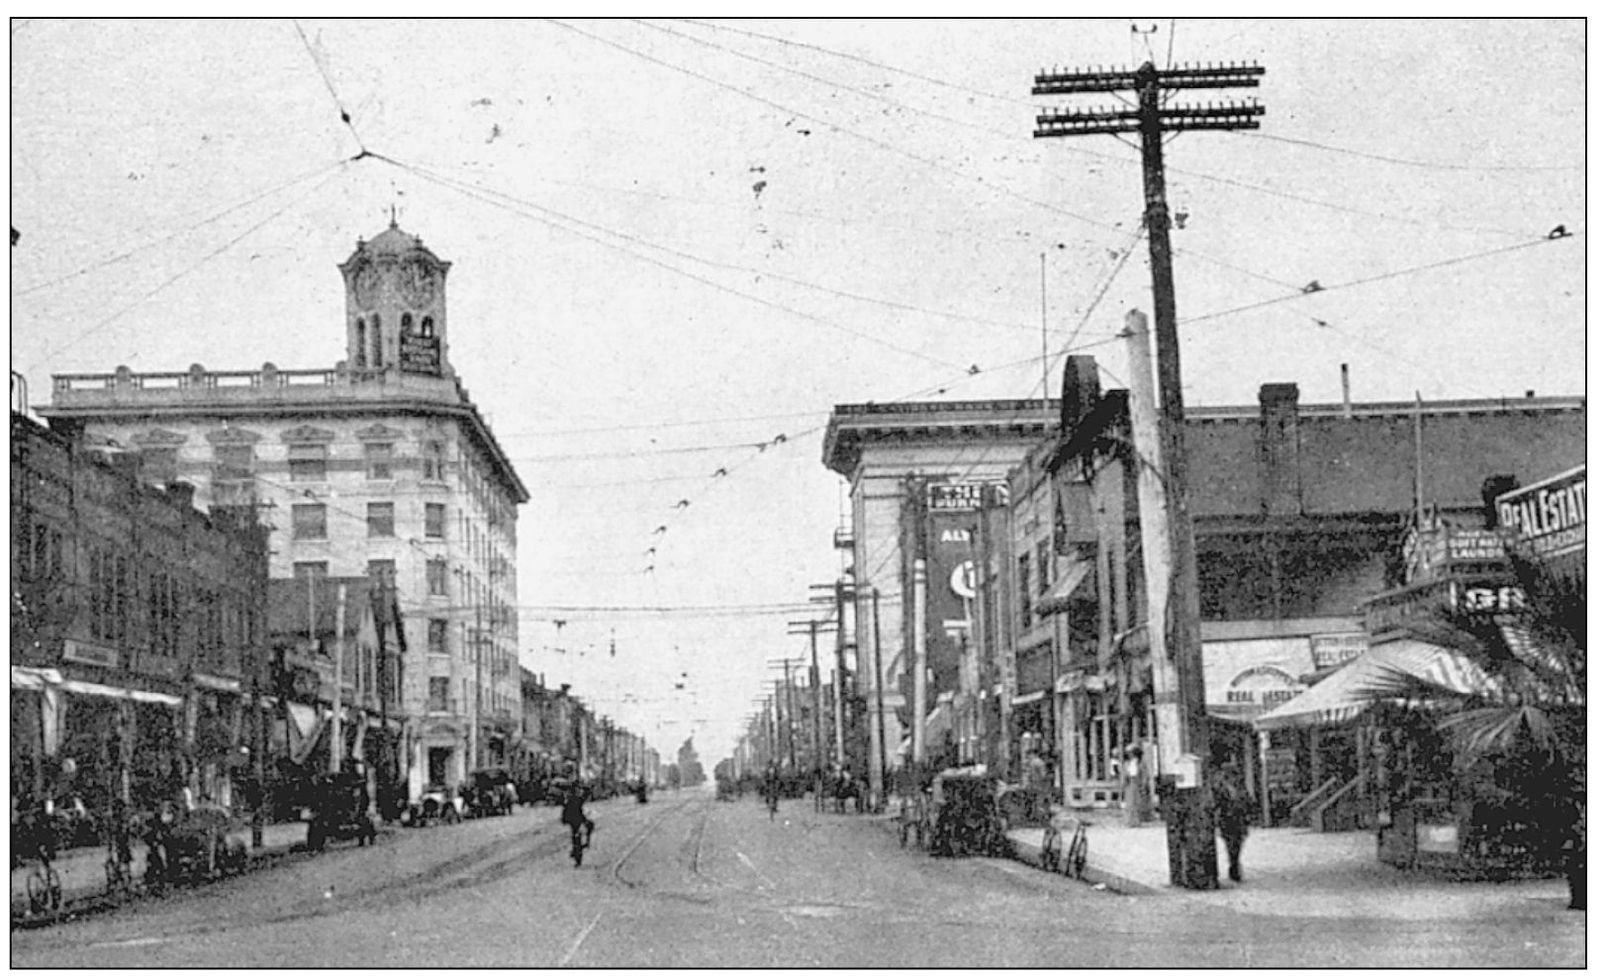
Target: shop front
column 1434, row 808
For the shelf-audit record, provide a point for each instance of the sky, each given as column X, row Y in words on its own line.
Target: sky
column 677, row 244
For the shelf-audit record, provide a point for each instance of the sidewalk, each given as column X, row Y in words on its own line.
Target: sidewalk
column 83, row 869
column 1298, row 873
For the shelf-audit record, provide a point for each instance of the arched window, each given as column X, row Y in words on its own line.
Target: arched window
column 362, row 343
column 379, row 349
column 427, row 327
column 407, row 324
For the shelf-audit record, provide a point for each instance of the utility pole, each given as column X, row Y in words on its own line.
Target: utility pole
column 340, row 660
column 1191, row 841
column 838, row 694
column 813, row 632
column 917, row 491
column 879, row 731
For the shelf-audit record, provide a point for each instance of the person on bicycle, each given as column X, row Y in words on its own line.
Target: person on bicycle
column 772, row 787
column 574, row 814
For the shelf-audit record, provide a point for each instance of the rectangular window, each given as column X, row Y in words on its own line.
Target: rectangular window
column 377, row 458
column 437, row 635
column 1024, row 587
column 1046, row 571
column 435, row 576
column 435, row 461
column 310, row 569
column 232, row 462
column 159, row 465
column 232, row 482
column 309, row 463
column 382, row 520
column 440, row 693
column 435, row 520
column 309, row 521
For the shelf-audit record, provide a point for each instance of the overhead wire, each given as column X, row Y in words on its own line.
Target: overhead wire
column 130, row 252
column 488, row 196
column 1405, row 162
column 1366, row 280
column 928, row 162
column 323, row 73
column 110, row 318
column 1228, row 181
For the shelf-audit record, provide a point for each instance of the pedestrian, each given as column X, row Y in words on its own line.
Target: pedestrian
column 1232, row 806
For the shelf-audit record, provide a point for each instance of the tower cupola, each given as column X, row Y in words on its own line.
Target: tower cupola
column 395, row 305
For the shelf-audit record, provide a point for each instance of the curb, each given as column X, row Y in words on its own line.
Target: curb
column 82, row 902
column 1029, row 853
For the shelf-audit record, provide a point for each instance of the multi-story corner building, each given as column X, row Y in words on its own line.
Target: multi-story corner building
column 381, row 465
column 887, row 452
column 137, row 634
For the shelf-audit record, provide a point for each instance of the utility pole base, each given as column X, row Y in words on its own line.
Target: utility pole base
column 1190, row 834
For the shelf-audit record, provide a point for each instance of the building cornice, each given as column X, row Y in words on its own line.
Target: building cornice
column 126, row 397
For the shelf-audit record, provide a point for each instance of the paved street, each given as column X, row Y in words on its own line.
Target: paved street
column 688, row 881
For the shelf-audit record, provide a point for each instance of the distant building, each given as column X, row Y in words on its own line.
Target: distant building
column 137, row 631
column 379, row 467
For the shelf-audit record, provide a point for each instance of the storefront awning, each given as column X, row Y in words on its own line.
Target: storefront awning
column 86, row 689
column 33, row 678
column 1345, row 694
column 1059, row 597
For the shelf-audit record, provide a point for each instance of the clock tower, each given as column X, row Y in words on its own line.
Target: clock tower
column 395, row 306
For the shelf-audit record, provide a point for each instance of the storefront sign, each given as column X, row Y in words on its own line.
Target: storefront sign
column 1263, row 686
column 1487, row 598
column 1548, row 516
column 1437, row 549
column 966, row 496
column 1338, row 648
column 83, row 652
column 1249, row 676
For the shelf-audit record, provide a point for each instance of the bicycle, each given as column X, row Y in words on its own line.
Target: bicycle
column 44, row 886
column 1077, row 852
column 1057, row 857
column 1049, row 852
column 44, row 883
column 119, row 856
column 578, row 842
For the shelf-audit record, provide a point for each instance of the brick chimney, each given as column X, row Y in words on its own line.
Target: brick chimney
column 1279, row 449
column 1079, row 390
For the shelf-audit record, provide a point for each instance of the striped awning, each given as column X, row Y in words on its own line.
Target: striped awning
column 1345, row 694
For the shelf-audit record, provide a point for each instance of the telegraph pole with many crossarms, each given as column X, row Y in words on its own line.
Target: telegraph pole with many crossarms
column 1191, row 839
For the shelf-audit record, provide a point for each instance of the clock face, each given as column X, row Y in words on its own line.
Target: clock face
column 366, row 286
column 418, row 284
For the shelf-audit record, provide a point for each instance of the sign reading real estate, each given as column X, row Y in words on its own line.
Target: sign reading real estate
column 1548, row 516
